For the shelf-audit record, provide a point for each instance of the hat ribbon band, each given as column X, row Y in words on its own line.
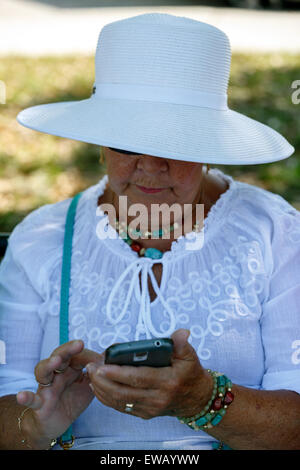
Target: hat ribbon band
column 161, row 94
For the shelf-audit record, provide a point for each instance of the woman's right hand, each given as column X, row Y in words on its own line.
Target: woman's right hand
column 54, row 408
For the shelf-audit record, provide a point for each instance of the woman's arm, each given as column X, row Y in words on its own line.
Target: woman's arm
column 255, row 420
column 261, row 419
column 10, row 436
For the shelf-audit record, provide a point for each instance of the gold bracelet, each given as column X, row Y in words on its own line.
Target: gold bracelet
column 52, row 443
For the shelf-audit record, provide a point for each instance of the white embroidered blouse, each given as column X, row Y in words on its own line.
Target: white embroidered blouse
column 238, row 295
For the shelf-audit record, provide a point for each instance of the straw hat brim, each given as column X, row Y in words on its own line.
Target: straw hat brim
column 179, row 132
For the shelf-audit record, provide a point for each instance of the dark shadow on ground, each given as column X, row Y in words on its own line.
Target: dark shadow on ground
column 289, row 5
column 128, row 3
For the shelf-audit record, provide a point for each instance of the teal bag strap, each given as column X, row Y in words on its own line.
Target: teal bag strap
column 67, row 438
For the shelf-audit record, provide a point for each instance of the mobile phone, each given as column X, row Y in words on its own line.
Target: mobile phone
column 155, row 352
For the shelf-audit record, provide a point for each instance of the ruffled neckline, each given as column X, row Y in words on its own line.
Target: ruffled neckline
column 215, row 217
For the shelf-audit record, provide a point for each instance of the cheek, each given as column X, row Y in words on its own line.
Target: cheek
column 187, row 176
column 120, row 170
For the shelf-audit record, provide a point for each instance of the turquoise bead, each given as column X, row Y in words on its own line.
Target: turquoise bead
column 216, row 445
column 216, row 419
column 221, row 380
column 153, row 253
column 220, row 446
column 209, row 416
column 201, row 421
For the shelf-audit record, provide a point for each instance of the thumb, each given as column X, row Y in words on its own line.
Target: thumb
column 182, row 348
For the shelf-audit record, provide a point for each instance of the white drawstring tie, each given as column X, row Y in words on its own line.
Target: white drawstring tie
column 145, row 323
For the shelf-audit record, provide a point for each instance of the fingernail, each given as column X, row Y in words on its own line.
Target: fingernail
column 100, row 371
column 92, row 388
column 53, row 360
column 91, row 368
column 20, row 395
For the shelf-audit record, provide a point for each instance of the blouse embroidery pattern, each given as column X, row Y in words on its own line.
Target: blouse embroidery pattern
column 195, row 302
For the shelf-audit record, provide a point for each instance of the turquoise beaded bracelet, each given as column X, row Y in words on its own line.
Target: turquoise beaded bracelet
column 216, row 408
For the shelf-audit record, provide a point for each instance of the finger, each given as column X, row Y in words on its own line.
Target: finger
column 185, row 360
column 117, row 395
column 137, row 377
column 29, row 399
column 67, row 351
column 182, row 348
column 146, row 403
column 79, row 361
column 105, row 400
column 59, row 359
column 44, row 370
column 117, row 392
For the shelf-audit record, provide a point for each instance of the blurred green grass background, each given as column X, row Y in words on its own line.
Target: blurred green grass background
column 37, row 169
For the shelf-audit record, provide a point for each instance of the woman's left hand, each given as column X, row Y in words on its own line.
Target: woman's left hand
column 182, row 389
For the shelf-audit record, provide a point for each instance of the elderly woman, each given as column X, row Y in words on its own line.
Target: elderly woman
column 225, row 290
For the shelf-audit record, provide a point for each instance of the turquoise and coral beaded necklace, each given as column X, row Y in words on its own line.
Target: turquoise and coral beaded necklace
column 153, row 253
column 124, row 231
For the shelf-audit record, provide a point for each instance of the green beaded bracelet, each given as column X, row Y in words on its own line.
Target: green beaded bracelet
column 210, row 417
column 206, row 408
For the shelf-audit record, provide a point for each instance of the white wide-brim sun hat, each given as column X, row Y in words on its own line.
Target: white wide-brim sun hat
column 161, row 89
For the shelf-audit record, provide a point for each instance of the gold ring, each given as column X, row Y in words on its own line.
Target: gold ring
column 129, row 407
column 45, row 385
column 59, row 371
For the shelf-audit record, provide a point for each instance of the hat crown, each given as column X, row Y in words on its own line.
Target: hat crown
column 160, row 89
column 163, row 50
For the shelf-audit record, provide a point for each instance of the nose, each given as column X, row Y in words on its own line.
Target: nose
column 152, row 165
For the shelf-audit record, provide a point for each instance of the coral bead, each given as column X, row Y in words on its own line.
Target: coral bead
column 228, row 398
column 135, row 247
column 217, row 404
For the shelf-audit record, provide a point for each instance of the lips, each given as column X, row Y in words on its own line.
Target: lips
column 150, row 190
